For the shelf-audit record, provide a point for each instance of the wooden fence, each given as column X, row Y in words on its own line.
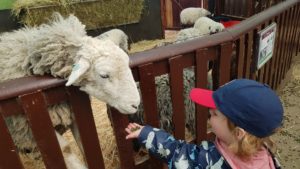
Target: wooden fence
column 242, row 8
column 238, row 9
column 232, row 53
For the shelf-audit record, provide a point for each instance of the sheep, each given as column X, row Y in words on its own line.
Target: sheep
column 63, row 49
column 208, row 26
column 164, row 104
column 117, row 36
column 203, row 26
column 187, row 34
column 188, row 16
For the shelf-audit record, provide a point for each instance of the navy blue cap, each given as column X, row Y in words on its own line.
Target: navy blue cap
column 253, row 106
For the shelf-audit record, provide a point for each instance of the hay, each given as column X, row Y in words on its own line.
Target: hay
column 144, row 45
column 105, row 134
column 94, row 14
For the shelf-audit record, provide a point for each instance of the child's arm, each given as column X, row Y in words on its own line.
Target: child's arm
column 175, row 153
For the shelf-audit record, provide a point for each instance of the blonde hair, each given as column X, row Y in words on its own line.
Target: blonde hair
column 249, row 144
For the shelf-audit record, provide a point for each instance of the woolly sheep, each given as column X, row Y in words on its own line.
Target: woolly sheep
column 187, row 34
column 164, row 104
column 188, row 16
column 117, row 36
column 203, row 26
column 99, row 68
column 208, row 26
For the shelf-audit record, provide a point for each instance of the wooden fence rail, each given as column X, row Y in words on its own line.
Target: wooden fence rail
column 231, row 53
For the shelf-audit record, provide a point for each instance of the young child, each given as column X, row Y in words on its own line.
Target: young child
column 243, row 114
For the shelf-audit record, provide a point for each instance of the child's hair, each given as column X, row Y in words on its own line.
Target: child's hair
column 249, row 144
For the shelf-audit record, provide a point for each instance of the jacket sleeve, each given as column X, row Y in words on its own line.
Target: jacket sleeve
column 178, row 153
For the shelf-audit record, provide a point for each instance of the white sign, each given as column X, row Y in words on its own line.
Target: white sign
column 266, row 40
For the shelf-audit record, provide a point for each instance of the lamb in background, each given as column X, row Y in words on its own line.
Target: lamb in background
column 117, row 36
column 203, row 26
column 208, row 26
column 188, row 16
column 99, row 68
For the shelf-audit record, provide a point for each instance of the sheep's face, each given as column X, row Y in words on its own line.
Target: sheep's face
column 107, row 76
column 207, row 26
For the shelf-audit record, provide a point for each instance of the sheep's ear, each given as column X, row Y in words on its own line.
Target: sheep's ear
column 78, row 69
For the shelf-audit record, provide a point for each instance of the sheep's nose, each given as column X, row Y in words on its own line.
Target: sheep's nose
column 134, row 106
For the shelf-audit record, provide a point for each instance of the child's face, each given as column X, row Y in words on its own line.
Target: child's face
column 219, row 126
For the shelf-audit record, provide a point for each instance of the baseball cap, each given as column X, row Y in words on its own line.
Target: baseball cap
column 253, row 106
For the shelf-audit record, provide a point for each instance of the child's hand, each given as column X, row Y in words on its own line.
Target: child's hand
column 133, row 130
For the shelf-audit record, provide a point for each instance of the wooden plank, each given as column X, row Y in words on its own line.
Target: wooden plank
column 269, row 79
column 266, row 74
column 297, row 38
column 298, row 31
column 120, row 122
column 287, row 43
column 163, row 17
column 293, row 43
column 11, row 107
column 261, row 71
column 293, row 27
column 225, row 60
column 201, row 82
column 281, row 47
column 240, row 56
column 176, row 87
column 176, row 8
column 35, row 109
column 250, row 8
column 278, row 43
column 148, row 90
column 248, row 46
column 55, row 95
column 83, row 116
column 8, row 152
column 169, row 14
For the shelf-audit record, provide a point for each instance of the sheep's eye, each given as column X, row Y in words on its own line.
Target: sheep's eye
column 104, row 76
column 209, row 27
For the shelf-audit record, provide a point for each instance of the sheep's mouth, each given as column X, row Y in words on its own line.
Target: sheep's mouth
column 127, row 109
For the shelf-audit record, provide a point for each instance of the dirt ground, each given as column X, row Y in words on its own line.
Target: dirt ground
column 288, row 139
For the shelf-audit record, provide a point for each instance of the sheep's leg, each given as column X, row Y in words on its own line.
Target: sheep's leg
column 76, row 135
column 71, row 159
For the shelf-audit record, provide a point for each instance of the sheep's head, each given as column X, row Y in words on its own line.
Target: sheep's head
column 102, row 70
column 208, row 26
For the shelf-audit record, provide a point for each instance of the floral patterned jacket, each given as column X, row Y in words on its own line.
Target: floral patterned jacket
column 179, row 154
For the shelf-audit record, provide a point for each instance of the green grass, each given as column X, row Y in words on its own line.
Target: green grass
column 6, row 4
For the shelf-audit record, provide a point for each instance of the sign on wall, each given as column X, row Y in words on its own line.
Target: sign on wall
column 266, row 41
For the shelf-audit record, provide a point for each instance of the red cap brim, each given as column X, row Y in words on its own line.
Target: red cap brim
column 203, row 97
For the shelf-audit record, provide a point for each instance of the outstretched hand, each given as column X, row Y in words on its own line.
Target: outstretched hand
column 133, row 130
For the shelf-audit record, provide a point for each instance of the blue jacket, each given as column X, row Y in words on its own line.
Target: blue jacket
column 179, row 154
